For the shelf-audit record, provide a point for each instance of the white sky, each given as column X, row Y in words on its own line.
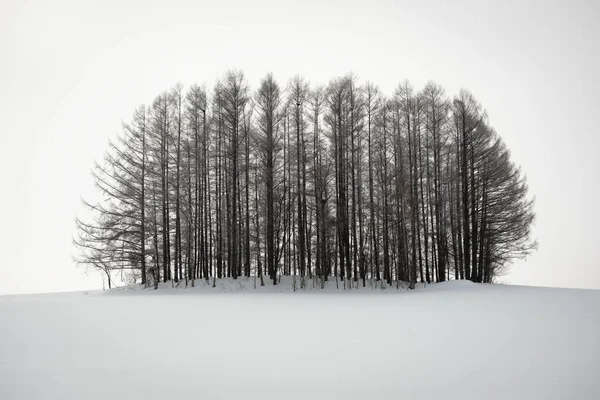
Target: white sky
column 71, row 71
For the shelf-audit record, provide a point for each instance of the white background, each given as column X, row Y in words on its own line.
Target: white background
column 71, row 71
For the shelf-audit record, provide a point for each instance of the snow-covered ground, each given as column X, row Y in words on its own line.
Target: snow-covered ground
column 454, row 340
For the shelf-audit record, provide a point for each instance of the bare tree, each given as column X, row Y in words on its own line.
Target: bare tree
column 196, row 189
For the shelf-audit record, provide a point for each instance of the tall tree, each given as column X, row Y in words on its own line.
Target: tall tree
column 235, row 97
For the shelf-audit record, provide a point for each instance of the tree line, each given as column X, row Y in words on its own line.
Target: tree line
column 330, row 182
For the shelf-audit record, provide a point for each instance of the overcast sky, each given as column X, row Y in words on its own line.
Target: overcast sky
column 71, row 71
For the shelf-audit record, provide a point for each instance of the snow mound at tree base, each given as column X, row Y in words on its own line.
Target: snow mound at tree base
column 289, row 284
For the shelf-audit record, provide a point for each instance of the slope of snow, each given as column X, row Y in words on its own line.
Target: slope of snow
column 455, row 340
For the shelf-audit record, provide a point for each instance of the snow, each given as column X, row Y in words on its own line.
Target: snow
column 455, row 340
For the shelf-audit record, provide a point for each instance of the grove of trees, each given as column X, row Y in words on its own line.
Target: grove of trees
column 320, row 183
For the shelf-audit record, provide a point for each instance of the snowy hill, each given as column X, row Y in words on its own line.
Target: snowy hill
column 455, row 340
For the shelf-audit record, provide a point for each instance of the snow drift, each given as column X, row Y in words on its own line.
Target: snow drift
column 454, row 340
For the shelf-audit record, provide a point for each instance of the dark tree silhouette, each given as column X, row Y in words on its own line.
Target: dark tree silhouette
column 330, row 182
